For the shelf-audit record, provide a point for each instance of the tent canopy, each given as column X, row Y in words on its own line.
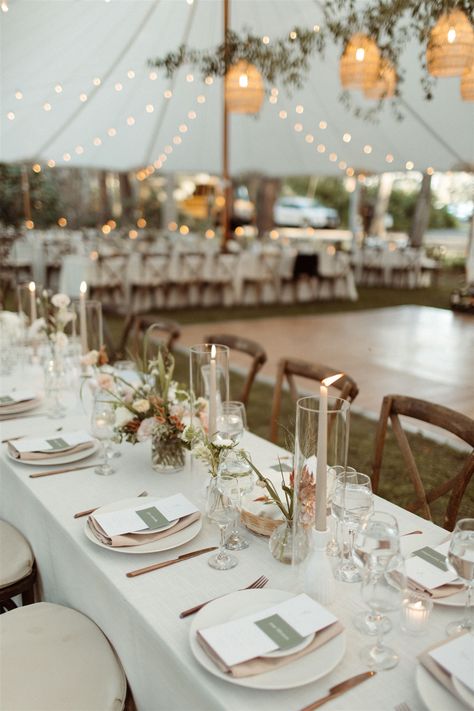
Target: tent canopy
column 51, row 109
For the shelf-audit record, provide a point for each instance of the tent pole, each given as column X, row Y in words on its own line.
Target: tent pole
column 225, row 145
column 25, row 189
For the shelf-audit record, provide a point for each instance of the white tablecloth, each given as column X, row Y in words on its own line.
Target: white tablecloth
column 140, row 615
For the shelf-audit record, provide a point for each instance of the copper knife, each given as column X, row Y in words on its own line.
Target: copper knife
column 165, row 564
column 339, row 689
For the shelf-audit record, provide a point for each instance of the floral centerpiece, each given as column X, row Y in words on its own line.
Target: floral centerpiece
column 54, row 319
column 209, row 450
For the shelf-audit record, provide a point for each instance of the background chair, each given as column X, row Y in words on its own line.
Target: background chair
column 289, row 368
column 450, row 420
column 18, row 569
column 250, row 348
column 57, row 659
column 165, row 332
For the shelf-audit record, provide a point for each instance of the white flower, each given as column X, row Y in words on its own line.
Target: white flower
column 141, row 405
column 60, row 301
column 61, row 340
column 105, row 381
column 122, row 416
column 36, row 327
column 146, row 429
column 177, row 410
column 90, row 358
column 219, row 441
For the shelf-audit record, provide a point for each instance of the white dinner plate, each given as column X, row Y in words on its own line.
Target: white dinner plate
column 433, row 694
column 466, row 694
column 20, row 407
column 65, row 459
column 456, row 600
column 303, row 671
column 174, row 540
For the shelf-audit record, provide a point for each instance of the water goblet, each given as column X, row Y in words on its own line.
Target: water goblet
column 236, row 479
column 102, row 428
column 352, row 501
column 376, row 541
column 333, row 548
column 219, row 511
column 460, row 559
column 231, row 420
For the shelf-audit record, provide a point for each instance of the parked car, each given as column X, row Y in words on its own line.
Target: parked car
column 304, row 212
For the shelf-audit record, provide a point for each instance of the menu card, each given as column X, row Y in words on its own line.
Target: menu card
column 457, row 657
column 282, row 626
column 427, row 566
column 13, row 398
column 53, row 444
column 151, row 515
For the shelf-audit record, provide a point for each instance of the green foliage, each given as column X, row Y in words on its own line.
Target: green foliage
column 402, row 208
column 44, row 196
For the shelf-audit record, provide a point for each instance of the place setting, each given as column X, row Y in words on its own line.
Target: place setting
column 16, row 403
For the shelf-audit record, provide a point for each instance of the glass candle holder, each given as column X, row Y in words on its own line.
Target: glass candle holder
column 415, row 612
column 209, row 380
column 27, row 301
column 89, row 325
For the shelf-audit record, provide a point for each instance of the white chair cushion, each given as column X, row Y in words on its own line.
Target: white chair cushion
column 56, row 659
column 16, row 558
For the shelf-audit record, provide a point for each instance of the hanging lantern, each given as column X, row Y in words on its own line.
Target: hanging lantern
column 467, row 84
column 244, row 90
column 385, row 83
column 359, row 64
column 451, row 45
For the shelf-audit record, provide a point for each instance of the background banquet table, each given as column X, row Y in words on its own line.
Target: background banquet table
column 140, row 615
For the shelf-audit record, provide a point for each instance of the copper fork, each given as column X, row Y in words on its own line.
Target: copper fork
column 259, row 583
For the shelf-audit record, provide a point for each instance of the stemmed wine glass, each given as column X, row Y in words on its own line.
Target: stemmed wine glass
column 102, row 427
column 352, row 501
column 236, row 479
column 460, row 559
column 219, row 510
column 123, row 368
column 231, row 420
column 383, row 587
column 334, row 546
column 376, row 541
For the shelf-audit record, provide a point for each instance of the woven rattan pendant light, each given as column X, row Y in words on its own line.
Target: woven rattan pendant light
column 451, row 45
column 244, row 90
column 359, row 64
column 467, row 84
column 385, row 83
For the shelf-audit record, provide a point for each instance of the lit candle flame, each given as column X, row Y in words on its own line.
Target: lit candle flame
column 83, row 287
column 331, row 379
column 213, row 352
column 32, row 286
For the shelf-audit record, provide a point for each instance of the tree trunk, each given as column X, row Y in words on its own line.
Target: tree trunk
column 354, row 217
column 104, row 203
column 169, row 212
column 267, row 195
column 470, row 254
column 126, row 198
column 421, row 217
column 377, row 226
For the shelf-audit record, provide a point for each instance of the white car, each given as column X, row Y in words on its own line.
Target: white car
column 304, row 212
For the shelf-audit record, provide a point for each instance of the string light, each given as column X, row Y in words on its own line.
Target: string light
column 430, row 170
column 293, row 35
column 168, row 150
column 176, row 140
column 210, row 234
column 333, row 157
column 323, row 125
column 149, row 108
column 409, row 165
column 106, row 229
column 350, row 172
column 184, row 229
column 367, row 149
column 201, row 99
column 10, row 116
column 153, row 76
column 96, row 81
column 51, row 163
column 97, row 141
column 172, row 226
column 266, row 39
column 321, row 148
column 209, row 81
column 112, row 132
column 131, row 74
column 36, row 168
column 118, row 86
column 347, row 138
column 283, row 114
column 67, row 157
column 29, row 224
column 47, row 106
column 189, row 78
column 342, row 164
column 167, row 94
column 309, row 138
column 130, row 121
column 183, row 128
column 192, row 115
column 299, row 109
column 83, row 97
column 273, row 99
column 79, row 150
column 62, row 222
column 58, row 89
column 298, row 127
column 133, row 234
column 389, row 158
column 18, row 95
column 4, row 6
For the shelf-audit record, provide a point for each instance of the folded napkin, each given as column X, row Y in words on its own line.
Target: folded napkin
column 38, row 456
column 16, row 400
column 260, row 665
column 136, row 539
column 436, row 670
column 17, row 407
column 441, row 591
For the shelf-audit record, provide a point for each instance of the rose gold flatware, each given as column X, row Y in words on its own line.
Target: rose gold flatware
column 87, row 512
column 411, row 533
column 259, row 583
column 340, row 689
column 166, row 563
column 36, row 475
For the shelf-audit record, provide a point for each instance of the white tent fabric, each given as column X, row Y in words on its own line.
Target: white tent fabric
column 51, row 52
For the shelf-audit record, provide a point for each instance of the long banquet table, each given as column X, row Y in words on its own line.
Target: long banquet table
column 140, row 615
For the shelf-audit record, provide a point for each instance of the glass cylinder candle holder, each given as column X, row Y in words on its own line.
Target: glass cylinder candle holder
column 415, row 612
column 88, row 324
column 28, row 295
column 209, row 380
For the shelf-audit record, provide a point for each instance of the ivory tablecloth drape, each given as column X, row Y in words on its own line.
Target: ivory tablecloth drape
column 140, row 615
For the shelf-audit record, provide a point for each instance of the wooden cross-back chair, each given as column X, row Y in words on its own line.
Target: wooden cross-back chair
column 290, row 368
column 165, row 332
column 460, row 425
column 250, row 348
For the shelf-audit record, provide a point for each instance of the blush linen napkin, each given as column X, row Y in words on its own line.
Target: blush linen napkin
column 260, row 665
column 436, row 670
column 436, row 593
column 138, row 539
column 17, row 407
column 38, row 456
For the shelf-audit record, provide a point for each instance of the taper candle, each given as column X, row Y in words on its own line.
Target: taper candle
column 322, row 455
column 83, row 316
column 212, row 392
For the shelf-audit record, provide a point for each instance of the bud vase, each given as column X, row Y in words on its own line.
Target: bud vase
column 287, row 547
column 167, row 455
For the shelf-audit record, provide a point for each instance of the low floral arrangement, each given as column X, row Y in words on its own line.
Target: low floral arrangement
column 207, row 450
column 55, row 316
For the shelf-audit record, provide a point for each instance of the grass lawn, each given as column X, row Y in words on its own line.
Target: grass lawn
column 435, row 461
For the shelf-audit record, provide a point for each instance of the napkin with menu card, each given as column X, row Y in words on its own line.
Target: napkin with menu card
column 427, row 571
column 13, row 402
column 38, row 448
column 451, row 657
column 128, row 527
column 236, row 647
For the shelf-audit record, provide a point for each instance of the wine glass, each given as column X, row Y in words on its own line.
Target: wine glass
column 124, row 369
column 352, row 501
column 333, row 548
column 376, row 541
column 102, row 427
column 236, row 479
column 231, row 420
column 460, row 559
column 383, row 587
column 219, row 510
